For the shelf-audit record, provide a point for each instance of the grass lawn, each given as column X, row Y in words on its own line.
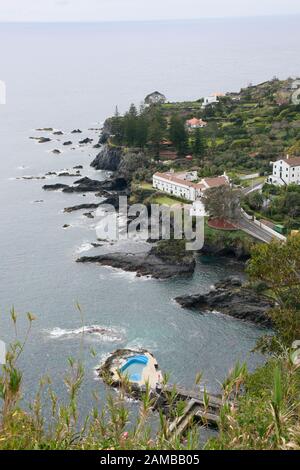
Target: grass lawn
column 230, row 235
column 145, row 185
column 166, row 200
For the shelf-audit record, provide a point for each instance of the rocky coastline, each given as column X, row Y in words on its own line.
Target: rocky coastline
column 164, row 259
column 151, row 263
column 232, row 298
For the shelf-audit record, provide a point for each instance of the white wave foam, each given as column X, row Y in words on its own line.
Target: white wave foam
column 104, row 333
column 142, row 343
column 84, row 247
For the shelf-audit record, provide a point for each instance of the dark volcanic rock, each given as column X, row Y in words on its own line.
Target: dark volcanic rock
column 67, row 173
column 77, row 167
column 235, row 250
column 86, row 141
column 112, row 199
column 56, row 151
column 108, row 159
column 82, row 206
column 58, row 133
column 88, row 185
column 43, row 140
column 144, row 264
column 76, row 131
column 84, row 185
column 104, row 138
column 89, row 215
column 231, row 298
column 67, row 143
column 115, row 184
column 54, row 187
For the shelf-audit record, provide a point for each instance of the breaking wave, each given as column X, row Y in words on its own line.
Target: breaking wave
column 103, row 333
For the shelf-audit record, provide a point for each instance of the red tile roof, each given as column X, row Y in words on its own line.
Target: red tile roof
column 196, row 122
column 173, row 178
column 292, row 161
column 217, row 181
column 202, row 185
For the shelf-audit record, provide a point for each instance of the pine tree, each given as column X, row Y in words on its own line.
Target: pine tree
column 157, row 128
column 198, row 143
column 178, row 134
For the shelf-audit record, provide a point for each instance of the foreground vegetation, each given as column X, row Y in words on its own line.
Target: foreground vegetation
column 279, row 204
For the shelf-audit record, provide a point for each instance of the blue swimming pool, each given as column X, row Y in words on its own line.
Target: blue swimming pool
column 134, row 366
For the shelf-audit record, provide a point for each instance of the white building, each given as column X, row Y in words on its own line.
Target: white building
column 210, row 100
column 214, row 98
column 155, row 98
column 285, row 171
column 184, row 185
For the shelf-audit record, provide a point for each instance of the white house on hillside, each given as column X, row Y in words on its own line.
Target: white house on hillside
column 210, row 100
column 285, row 171
column 214, row 98
column 155, row 98
column 184, row 185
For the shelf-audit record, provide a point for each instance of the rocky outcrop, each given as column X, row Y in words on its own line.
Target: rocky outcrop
column 67, row 173
column 145, row 264
column 231, row 298
column 86, row 184
column 82, row 206
column 86, row 141
column 104, row 138
column 54, row 187
column 234, row 250
column 108, row 159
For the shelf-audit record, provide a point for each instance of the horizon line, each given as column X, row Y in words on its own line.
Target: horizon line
column 154, row 20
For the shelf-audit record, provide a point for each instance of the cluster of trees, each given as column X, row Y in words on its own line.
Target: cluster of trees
column 148, row 127
column 281, row 204
column 277, row 267
column 183, row 141
column 137, row 127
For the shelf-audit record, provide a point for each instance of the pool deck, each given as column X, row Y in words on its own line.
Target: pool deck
column 150, row 372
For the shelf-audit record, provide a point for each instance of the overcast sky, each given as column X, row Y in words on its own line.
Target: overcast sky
column 118, row 10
